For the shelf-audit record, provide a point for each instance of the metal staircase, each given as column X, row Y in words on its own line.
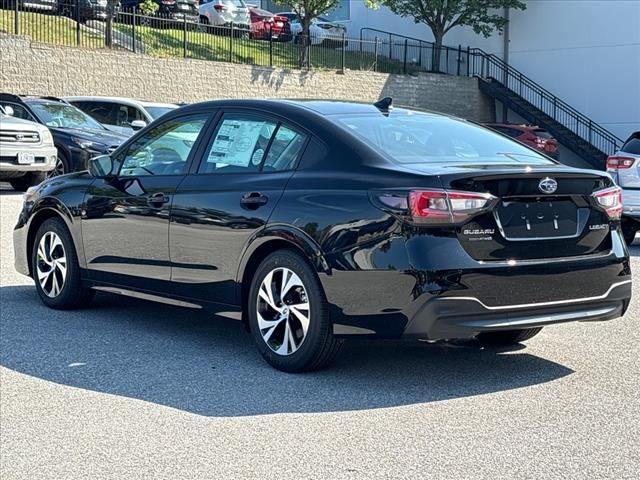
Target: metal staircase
column 590, row 141
column 518, row 93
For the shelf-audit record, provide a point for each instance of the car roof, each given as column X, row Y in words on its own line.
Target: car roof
column 320, row 107
column 130, row 101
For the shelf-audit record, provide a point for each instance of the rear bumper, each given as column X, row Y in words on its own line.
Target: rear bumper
column 460, row 317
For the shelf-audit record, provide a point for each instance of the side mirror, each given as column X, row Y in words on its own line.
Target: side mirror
column 8, row 110
column 101, row 166
column 138, row 124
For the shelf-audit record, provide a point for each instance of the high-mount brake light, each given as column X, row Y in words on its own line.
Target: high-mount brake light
column 610, row 199
column 447, row 207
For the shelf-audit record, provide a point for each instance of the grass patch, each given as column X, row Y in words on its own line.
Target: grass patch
column 202, row 45
column 54, row 29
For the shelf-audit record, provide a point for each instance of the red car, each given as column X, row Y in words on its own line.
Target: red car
column 265, row 24
column 532, row 136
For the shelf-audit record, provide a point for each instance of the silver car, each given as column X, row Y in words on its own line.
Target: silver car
column 27, row 152
column 222, row 13
column 624, row 167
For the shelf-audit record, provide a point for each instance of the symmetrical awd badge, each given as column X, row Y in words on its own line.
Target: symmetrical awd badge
column 548, row 185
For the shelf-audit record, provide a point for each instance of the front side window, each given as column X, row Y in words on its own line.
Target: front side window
column 165, row 149
column 64, row 116
column 409, row 137
column 239, row 145
column 127, row 114
column 102, row 111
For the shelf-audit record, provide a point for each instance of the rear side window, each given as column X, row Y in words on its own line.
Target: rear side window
column 103, row 112
column 632, row 145
column 285, row 149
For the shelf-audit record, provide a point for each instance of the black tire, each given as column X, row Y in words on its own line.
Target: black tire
column 72, row 294
column 508, row 337
column 29, row 180
column 629, row 230
column 62, row 166
column 319, row 347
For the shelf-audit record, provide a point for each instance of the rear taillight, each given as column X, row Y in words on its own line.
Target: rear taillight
column 616, row 162
column 610, row 200
column 219, row 8
column 447, row 207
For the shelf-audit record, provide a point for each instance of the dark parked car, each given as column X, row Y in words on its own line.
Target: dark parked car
column 532, row 136
column 84, row 10
column 76, row 135
column 172, row 9
column 325, row 220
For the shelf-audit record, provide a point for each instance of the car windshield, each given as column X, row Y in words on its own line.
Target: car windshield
column 157, row 112
column 65, row 116
column 410, row 137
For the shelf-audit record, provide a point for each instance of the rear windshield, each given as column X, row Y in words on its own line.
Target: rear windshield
column 237, row 3
column 632, row 145
column 416, row 138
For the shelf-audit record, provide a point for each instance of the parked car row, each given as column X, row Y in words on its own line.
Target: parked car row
column 69, row 131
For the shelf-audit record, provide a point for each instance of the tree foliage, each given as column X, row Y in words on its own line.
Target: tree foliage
column 307, row 11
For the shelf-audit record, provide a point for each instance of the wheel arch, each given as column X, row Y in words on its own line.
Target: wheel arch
column 43, row 214
column 270, row 240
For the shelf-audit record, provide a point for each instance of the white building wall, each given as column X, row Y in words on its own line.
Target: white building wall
column 586, row 52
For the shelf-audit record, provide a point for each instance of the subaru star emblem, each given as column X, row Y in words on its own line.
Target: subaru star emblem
column 548, row 185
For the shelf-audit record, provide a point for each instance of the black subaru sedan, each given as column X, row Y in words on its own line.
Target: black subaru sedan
column 317, row 221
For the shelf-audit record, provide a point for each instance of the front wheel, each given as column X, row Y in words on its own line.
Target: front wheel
column 55, row 268
column 289, row 315
column 508, row 337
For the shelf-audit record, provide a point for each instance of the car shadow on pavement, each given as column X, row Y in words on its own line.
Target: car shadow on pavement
column 188, row 360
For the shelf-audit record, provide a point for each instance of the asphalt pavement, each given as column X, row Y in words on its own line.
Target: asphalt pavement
column 130, row 390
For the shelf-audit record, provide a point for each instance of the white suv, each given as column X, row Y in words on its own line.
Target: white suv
column 27, row 152
column 121, row 115
column 222, row 13
column 624, row 167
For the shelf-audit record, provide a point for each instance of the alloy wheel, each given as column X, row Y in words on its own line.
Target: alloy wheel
column 51, row 264
column 58, row 169
column 283, row 311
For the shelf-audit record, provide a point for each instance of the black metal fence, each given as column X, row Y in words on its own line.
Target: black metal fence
column 72, row 23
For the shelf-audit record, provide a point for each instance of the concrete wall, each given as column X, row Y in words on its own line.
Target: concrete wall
column 35, row 69
column 585, row 52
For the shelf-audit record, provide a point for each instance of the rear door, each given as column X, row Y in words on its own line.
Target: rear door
column 227, row 199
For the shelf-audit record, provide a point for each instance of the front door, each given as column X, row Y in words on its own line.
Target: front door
column 125, row 223
column 227, row 199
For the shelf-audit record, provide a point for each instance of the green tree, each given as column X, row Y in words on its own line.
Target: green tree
column 307, row 11
column 483, row 16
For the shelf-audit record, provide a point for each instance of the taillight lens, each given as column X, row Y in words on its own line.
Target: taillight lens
column 616, row 162
column 219, row 8
column 610, row 200
column 443, row 206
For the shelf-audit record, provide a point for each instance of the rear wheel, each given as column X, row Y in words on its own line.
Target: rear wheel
column 289, row 315
column 55, row 268
column 508, row 337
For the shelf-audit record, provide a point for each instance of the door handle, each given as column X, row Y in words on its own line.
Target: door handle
column 253, row 200
column 157, row 199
